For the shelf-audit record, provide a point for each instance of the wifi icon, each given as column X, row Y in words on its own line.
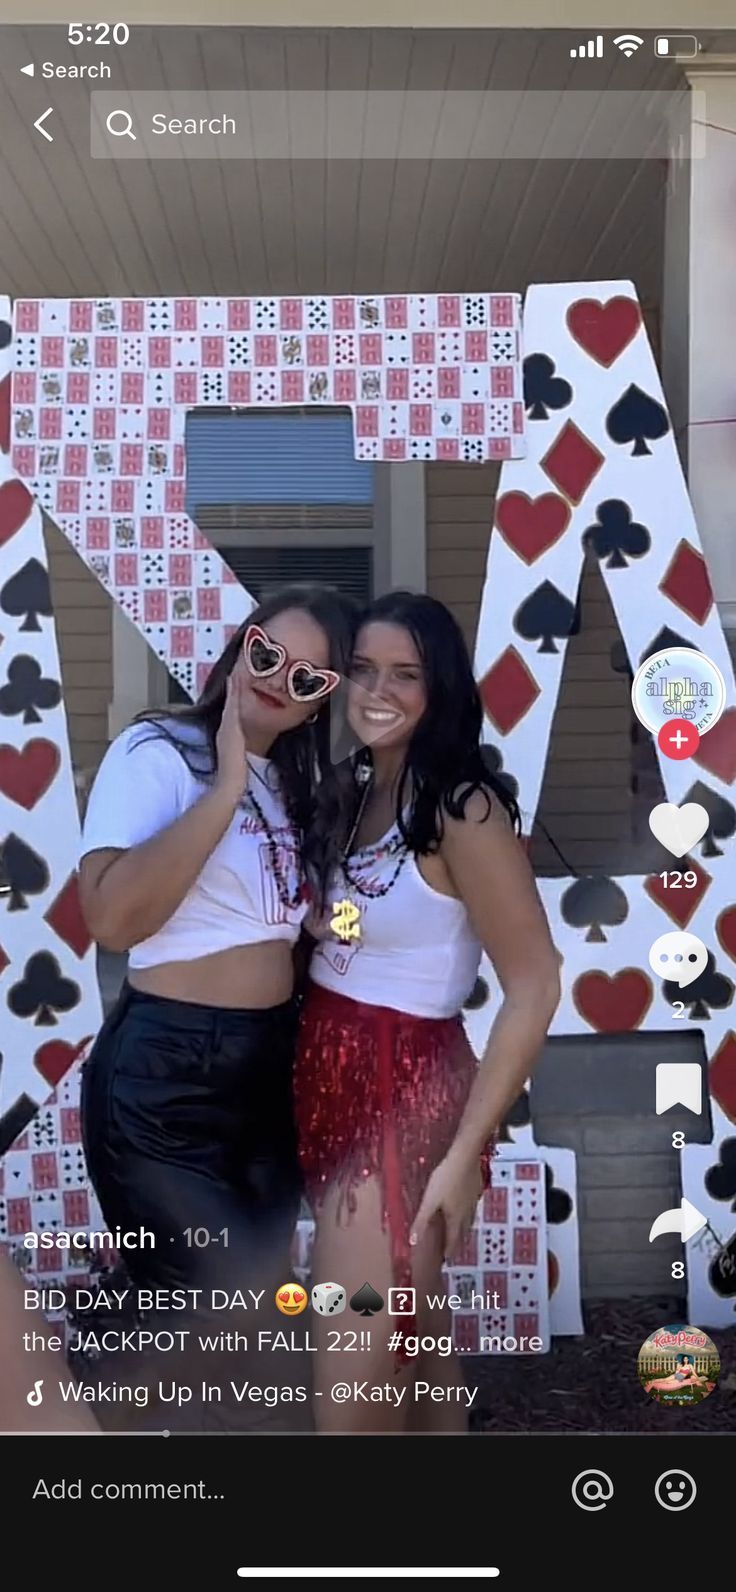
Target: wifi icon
column 628, row 43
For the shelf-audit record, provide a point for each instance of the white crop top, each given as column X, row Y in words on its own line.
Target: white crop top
column 142, row 785
column 417, row 952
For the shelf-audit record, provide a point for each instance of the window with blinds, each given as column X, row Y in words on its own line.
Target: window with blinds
column 282, row 497
column 263, row 569
column 283, row 468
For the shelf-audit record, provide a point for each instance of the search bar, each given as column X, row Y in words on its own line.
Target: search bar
column 377, row 124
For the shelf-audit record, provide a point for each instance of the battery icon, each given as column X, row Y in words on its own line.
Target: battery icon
column 682, row 44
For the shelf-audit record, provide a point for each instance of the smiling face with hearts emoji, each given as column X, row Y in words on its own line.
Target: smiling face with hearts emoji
column 291, row 1298
column 678, row 829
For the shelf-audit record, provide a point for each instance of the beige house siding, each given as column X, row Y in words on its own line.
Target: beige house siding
column 83, row 613
column 460, row 499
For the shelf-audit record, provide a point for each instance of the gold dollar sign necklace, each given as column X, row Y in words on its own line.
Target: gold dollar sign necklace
column 346, row 920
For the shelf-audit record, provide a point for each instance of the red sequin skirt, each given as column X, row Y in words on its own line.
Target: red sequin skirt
column 378, row 1093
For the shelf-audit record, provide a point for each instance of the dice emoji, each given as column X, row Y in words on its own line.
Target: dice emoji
column 328, row 1298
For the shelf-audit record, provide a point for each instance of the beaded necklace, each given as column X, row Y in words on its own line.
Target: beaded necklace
column 290, row 899
column 398, row 845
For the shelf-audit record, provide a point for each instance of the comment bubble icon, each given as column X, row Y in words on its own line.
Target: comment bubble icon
column 678, row 957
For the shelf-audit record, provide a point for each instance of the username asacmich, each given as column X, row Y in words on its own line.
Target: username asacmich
column 115, row 1239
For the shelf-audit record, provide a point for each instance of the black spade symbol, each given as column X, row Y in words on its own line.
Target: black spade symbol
column 477, row 997
column 518, row 1116
column 366, row 1302
column 666, row 639
column 15, row 1120
column 23, row 873
column 558, row 1203
column 28, row 594
column 593, row 901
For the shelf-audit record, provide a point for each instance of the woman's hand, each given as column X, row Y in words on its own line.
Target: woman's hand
column 452, row 1193
column 232, row 752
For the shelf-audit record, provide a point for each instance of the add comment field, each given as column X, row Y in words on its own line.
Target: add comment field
column 378, row 124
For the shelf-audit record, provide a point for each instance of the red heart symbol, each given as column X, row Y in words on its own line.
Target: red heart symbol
column 531, row 525
column 717, row 749
column 15, row 506
column 604, row 330
column 613, row 1005
column 27, row 771
column 298, row 1297
column 284, row 1297
column 55, row 1058
column 726, row 931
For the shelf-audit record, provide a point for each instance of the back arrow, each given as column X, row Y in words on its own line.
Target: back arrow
column 39, row 124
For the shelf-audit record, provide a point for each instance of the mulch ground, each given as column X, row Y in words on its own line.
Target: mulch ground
column 590, row 1384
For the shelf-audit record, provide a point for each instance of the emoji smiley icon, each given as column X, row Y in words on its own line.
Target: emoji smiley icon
column 291, row 1298
column 675, row 1490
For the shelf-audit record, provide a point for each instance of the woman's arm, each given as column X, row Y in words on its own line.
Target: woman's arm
column 492, row 877
column 127, row 894
column 20, row 1370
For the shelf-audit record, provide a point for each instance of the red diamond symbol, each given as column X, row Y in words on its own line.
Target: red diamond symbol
column 4, row 959
column 722, row 1074
column 508, row 690
column 65, row 918
column 572, row 462
column 679, row 904
column 717, row 749
column 687, row 584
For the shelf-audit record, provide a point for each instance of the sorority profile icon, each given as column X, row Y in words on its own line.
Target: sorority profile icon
column 678, row 1365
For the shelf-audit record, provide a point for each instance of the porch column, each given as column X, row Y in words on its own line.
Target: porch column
column 699, row 314
column 408, row 527
column 131, row 660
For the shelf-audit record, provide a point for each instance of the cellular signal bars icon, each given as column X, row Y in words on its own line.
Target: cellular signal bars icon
column 592, row 50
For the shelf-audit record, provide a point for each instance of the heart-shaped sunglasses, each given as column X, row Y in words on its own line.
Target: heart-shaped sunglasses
column 304, row 682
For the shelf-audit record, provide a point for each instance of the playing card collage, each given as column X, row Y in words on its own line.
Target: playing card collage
column 602, row 476
column 102, row 388
column 105, row 386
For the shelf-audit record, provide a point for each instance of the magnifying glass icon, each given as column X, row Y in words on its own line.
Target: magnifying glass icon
column 126, row 131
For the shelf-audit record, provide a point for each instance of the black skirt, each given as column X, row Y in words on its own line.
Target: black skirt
column 188, row 1131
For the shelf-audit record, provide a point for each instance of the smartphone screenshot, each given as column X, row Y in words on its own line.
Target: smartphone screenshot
column 367, row 771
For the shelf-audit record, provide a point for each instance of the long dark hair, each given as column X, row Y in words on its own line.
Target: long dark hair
column 444, row 760
column 316, row 789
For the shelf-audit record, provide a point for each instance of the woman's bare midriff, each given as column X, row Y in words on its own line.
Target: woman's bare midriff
column 256, row 976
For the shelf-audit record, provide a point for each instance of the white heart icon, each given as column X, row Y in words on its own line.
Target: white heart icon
column 679, row 828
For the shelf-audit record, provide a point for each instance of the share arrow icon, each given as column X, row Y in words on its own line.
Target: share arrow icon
column 684, row 1219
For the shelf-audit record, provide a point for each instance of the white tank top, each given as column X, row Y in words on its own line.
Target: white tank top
column 142, row 785
column 417, row 952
